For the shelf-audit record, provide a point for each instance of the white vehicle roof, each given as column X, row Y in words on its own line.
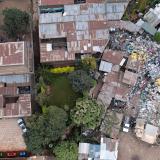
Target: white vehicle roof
column 125, row 130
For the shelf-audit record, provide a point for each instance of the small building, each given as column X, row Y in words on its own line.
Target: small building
column 111, row 60
column 139, row 128
column 15, row 58
column 112, row 88
column 153, row 16
column 149, row 28
column 106, row 150
column 130, row 78
column 109, row 149
column 150, row 134
column 146, row 132
column 105, row 66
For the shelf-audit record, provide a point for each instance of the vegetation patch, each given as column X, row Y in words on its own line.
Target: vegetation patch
column 60, row 70
column 138, row 6
column 16, row 22
column 157, row 37
column 62, row 93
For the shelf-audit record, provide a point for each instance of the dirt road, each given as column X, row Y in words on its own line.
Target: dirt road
column 132, row 149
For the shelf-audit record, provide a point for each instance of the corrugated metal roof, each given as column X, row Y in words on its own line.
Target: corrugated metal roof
column 84, row 25
column 105, row 66
column 10, row 79
column 12, row 53
column 149, row 28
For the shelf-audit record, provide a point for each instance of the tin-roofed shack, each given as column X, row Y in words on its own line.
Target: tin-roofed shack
column 65, row 30
column 15, row 58
column 16, row 71
column 106, row 150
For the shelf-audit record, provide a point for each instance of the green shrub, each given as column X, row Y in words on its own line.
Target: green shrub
column 157, row 37
column 62, row 70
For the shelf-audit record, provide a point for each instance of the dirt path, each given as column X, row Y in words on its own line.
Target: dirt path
column 132, row 149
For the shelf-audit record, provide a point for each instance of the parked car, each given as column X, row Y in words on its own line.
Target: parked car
column 11, row 154
column 23, row 154
column 21, row 123
column 126, row 124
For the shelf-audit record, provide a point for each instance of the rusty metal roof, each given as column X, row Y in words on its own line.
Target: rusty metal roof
column 61, row 2
column 130, row 78
column 15, row 58
column 20, row 108
column 84, row 26
column 11, row 53
column 112, row 56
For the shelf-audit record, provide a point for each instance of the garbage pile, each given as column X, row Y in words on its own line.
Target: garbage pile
column 147, row 53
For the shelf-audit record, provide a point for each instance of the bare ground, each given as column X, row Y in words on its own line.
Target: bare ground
column 130, row 148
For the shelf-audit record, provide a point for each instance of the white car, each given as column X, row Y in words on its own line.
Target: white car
column 21, row 123
column 126, row 124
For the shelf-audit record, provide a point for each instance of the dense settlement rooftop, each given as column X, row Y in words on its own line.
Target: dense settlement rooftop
column 76, row 28
column 15, row 79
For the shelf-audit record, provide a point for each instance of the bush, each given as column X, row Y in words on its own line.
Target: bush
column 89, row 63
column 81, row 81
column 62, row 70
column 157, row 37
column 66, row 151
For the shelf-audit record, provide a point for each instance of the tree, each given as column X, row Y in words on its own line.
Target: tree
column 87, row 113
column 157, row 37
column 45, row 129
column 15, row 22
column 89, row 63
column 81, row 81
column 66, row 151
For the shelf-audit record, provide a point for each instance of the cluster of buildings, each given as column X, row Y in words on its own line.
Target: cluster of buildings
column 69, row 29
column 150, row 21
column 131, row 82
column 16, row 83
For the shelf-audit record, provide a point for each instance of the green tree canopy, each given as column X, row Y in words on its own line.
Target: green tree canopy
column 89, row 63
column 15, row 22
column 45, row 129
column 66, row 151
column 81, row 81
column 87, row 113
column 157, row 37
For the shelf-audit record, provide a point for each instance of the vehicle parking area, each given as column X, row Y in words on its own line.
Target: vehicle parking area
column 130, row 148
column 11, row 138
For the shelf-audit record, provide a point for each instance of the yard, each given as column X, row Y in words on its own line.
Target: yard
column 62, row 93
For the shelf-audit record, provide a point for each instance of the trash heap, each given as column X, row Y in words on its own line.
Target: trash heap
column 147, row 53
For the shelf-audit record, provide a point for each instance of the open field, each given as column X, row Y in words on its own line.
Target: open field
column 131, row 148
